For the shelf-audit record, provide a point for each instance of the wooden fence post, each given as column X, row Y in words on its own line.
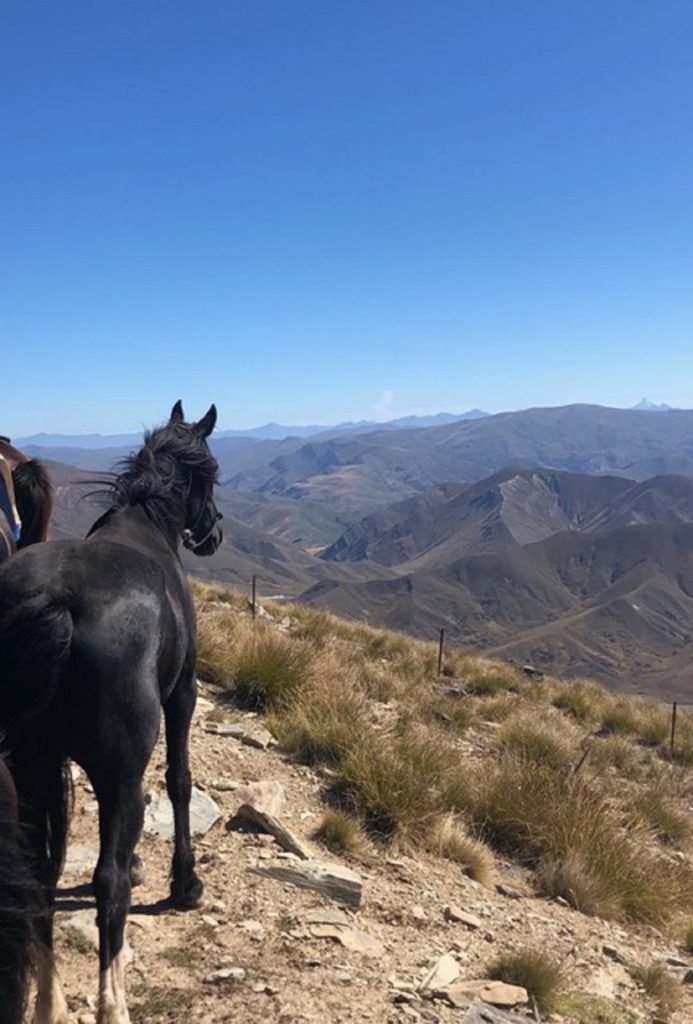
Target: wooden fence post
column 441, row 648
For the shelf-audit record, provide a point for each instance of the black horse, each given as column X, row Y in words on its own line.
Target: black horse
column 96, row 636
column 20, row 907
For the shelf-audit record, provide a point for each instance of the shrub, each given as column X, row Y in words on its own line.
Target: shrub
column 341, row 833
column 532, row 970
column 663, row 988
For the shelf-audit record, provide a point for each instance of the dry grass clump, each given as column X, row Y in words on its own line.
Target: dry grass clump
column 394, row 785
column 271, row 669
column 532, row 970
column 586, row 1008
column 329, row 719
column 583, row 700
column 658, row 811
column 497, row 709
column 636, row 716
column 613, row 752
column 688, row 938
column 662, row 987
column 571, row 831
column 540, row 740
column 341, row 833
column 448, row 838
column 218, row 641
column 488, row 678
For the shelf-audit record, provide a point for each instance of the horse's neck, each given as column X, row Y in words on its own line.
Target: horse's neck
column 132, row 526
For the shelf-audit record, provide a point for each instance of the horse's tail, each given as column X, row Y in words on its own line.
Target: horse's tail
column 35, row 643
column 34, row 497
column 20, row 907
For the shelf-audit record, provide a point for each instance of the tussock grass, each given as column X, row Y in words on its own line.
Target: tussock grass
column 595, row 831
column 613, row 752
column 341, row 833
column 394, row 785
column 486, row 679
column 582, row 700
column 540, row 740
column 448, row 838
column 532, row 970
column 327, row 721
column 662, row 987
column 571, row 832
column 271, row 669
column 670, row 822
column 585, row 1008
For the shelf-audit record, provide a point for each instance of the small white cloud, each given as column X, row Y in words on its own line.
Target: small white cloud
column 383, row 406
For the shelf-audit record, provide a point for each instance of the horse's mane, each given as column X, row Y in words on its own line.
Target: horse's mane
column 34, row 497
column 152, row 476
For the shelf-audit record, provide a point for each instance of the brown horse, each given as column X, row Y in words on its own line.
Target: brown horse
column 26, row 499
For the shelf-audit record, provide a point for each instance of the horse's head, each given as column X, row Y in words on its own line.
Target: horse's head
column 202, row 533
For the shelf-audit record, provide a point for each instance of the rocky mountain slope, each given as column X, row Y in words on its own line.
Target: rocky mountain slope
column 374, row 469
column 417, row 930
column 580, row 574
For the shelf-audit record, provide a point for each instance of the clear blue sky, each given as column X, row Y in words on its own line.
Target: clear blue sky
column 313, row 211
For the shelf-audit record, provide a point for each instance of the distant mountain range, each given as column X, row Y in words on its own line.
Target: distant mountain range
column 267, row 432
column 563, row 536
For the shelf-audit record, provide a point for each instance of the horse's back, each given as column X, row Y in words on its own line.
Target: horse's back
column 90, row 621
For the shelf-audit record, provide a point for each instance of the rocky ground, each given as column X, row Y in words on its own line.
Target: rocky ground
column 261, row 949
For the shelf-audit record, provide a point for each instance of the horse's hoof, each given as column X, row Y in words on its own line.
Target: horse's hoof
column 190, row 897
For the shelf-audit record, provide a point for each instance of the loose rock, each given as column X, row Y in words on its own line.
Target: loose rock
column 158, row 815
column 332, row 880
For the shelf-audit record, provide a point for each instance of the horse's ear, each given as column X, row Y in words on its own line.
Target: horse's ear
column 177, row 414
column 206, row 425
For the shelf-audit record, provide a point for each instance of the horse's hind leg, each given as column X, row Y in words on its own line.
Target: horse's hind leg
column 38, row 776
column 121, row 811
column 186, row 887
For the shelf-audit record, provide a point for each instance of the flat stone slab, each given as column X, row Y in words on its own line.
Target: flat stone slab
column 456, row 915
column 496, row 993
column 352, row 939
column 158, row 815
column 332, row 880
column 260, row 806
column 225, row 729
column 444, row 972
